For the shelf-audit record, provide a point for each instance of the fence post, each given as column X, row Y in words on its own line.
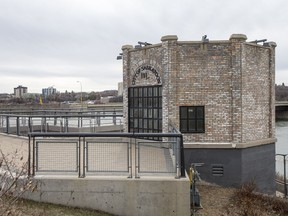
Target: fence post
column 17, row 126
column 285, row 183
column 98, row 119
column 114, row 117
column 66, row 124
column 29, row 124
column 7, row 125
column 33, row 157
column 84, row 157
column 29, row 155
column 182, row 156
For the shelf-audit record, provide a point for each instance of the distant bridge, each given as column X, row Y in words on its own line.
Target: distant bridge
column 281, row 103
column 281, row 109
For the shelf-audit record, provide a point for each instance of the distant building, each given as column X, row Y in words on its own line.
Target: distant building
column 20, row 91
column 48, row 91
column 219, row 94
column 5, row 96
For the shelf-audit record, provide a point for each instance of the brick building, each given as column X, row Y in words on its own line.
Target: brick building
column 219, row 94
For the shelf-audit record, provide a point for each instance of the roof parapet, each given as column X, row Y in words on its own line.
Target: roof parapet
column 270, row 44
column 238, row 37
column 169, row 38
column 124, row 47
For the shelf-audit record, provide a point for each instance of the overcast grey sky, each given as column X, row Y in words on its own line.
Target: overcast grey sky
column 59, row 42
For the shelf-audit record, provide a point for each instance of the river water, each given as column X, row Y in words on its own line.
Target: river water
column 281, row 145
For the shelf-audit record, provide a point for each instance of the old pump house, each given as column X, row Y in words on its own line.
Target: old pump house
column 219, row 94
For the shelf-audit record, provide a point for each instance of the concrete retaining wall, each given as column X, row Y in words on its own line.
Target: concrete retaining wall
column 119, row 196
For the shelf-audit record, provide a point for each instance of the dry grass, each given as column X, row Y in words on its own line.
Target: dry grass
column 244, row 201
column 27, row 207
column 248, row 202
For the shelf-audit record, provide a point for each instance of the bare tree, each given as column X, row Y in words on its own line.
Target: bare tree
column 14, row 181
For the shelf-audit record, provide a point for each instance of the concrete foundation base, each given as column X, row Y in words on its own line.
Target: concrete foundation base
column 236, row 166
column 145, row 196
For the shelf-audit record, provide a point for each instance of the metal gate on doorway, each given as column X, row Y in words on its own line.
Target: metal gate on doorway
column 145, row 109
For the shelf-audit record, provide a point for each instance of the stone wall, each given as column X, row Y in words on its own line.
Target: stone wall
column 203, row 78
column 256, row 93
column 233, row 79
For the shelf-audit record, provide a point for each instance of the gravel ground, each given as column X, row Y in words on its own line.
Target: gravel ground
column 214, row 199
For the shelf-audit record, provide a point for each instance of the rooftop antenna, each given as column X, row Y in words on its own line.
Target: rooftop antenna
column 205, row 39
column 141, row 44
column 258, row 41
column 144, row 43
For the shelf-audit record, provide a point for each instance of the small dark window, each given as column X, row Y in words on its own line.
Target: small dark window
column 192, row 119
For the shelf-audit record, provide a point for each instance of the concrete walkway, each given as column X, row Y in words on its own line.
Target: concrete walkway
column 15, row 150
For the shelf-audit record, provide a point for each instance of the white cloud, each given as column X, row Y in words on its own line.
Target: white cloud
column 43, row 42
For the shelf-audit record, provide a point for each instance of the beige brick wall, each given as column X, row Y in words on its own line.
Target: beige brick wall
column 256, row 93
column 233, row 79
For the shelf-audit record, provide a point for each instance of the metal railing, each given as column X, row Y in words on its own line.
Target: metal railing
column 22, row 124
column 90, row 154
column 281, row 176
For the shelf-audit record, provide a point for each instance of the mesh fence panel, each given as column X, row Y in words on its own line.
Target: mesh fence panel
column 107, row 156
column 2, row 124
column 280, row 166
column 57, row 156
column 156, row 157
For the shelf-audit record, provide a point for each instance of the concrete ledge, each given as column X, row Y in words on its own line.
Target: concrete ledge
column 169, row 38
column 229, row 145
column 120, row 196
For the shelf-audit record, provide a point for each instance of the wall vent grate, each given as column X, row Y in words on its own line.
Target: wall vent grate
column 217, row 170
